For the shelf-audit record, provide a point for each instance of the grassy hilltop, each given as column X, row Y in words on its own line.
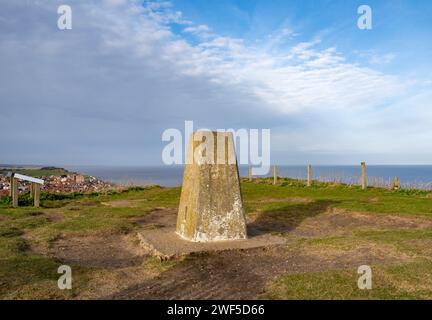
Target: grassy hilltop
column 330, row 231
column 35, row 171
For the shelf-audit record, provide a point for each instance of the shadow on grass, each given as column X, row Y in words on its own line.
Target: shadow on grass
column 286, row 218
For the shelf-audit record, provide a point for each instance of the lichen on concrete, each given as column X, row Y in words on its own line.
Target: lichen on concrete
column 211, row 206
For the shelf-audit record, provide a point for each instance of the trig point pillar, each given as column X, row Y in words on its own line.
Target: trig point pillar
column 211, row 206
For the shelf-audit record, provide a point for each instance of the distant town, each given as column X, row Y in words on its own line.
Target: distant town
column 56, row 180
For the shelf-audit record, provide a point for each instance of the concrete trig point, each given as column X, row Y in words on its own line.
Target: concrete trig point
column 34, row 190
column 211, row 206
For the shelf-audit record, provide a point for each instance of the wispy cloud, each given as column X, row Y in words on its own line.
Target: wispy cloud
column 200, row 30
column 376, row 58
column 303, row 78
column 123, row 74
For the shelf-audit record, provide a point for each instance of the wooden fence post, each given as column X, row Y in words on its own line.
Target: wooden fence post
column 309, row 175
column 36, row 188
column 396, row 183
column 11, row 185
column 274, row 174
column 250, row 173
column 14, row 193
column 363, row 176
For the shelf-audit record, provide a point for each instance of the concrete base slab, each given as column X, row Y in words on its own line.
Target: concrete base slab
column 166, row 244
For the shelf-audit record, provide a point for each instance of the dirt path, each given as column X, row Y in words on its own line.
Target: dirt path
column 235, row 274
column 240, row 274
column 108, row 251
column 243, row 274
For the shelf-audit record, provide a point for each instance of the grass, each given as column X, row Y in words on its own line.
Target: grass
column 410, row 281
column 37, row 172
column 376, row 200
column 20, row 269
column 279, row 208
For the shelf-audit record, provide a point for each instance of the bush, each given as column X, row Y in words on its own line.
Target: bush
column 25, row 200
column 61, row 196
column 6, row 200
column 411, row 192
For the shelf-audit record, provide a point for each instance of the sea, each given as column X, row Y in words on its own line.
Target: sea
column 410, row 176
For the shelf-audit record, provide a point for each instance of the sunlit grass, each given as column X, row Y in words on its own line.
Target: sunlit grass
column 280, row 208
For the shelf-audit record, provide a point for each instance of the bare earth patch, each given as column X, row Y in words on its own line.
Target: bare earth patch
column 158, row 218
column 107, row 251
column 241, row 274
column 55, row 217
column 423, row 247
column 288, row 199
column 77, row 204
column 35, row 246
column 104, row 283
column 232, row 274
column 122, row 203
column 366, row 251
column 337, row 220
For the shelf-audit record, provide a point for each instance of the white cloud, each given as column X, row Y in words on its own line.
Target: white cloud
column 376, row 58
column 200, row 30
column 382, row 59
column 304, row 78
column 122, row 76
column 115, row 3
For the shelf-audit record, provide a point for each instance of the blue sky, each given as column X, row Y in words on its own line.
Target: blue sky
column 399, row 27
column 103, row 92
